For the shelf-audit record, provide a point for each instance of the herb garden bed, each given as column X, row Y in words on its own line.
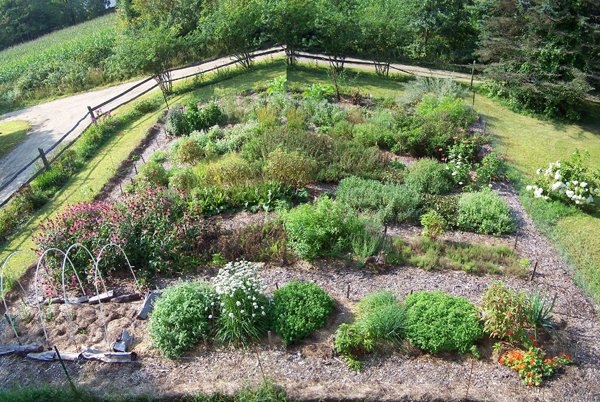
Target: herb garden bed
column 279, row 226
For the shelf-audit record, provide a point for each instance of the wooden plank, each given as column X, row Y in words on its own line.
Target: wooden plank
column 148, row 304
column 102, row 297
column 20, row 349
column 127, row 298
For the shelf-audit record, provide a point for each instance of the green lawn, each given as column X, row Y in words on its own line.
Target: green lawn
column 12, row 133
column 529, row 144
column 86, row 184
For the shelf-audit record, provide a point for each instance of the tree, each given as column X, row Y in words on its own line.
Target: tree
column 443, row 29
column 337, row 31
column 232, row 27
column 182, row 15
column 384, row 30
column 150, row 50
column 541, row 55
column 290, row 23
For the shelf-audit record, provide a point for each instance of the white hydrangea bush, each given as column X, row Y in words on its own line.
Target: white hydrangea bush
column 569, row 181
column 243, row 305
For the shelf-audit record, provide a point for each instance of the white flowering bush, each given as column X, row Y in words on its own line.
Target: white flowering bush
column 570, row 181
column 244, row 307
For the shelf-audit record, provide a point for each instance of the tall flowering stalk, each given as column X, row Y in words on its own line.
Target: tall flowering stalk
column 244, row 307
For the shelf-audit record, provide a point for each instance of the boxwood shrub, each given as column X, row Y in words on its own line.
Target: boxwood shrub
column 300, row 308
column 437, row 322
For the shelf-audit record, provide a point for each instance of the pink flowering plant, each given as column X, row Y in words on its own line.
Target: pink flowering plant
column 570, row 181
column 152, row 227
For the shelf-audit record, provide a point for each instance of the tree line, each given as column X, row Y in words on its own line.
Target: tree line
column 24, row 20
column 541, row 56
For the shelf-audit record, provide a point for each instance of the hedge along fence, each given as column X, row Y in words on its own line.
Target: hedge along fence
column 94, row 113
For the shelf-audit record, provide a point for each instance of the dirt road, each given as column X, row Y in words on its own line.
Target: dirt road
column 50, row 121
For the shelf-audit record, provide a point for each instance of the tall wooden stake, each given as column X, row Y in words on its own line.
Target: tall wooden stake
column 62, row 363
column 471, row 86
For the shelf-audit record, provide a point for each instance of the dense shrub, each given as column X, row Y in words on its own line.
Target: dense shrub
column 391, row 202
column 187, row 150
column 437, row 322
column 183, row 180
column 570, row 181
column 318, row 229
column 231, row 170
column 445, row 205
column 427, row 176
column 505, row 313
column 175, row 123
column 212, row 200
column 434, row 125
column 204, row 118
column 290, row 168
column 181, row 317
column 154, row 173
column 491, row 169
column 485, row 212
column 370, row 134
column 300, row 308
column 352, row 159
column 244, row 307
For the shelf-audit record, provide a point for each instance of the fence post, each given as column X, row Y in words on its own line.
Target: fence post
column 43, row 155
column 471, row 86
column 91, row 111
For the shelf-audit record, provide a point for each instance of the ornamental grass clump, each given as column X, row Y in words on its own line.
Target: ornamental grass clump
column 244, row 308
column 379, row 321
column 182, row 317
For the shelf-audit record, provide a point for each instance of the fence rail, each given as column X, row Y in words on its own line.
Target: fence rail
column 91, row 114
